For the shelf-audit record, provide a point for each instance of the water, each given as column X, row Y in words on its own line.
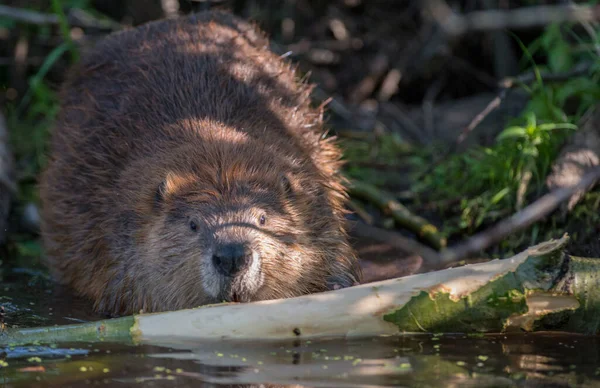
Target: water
column 517, row 360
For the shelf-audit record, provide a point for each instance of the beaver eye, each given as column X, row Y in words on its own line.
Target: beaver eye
column 262, row 219
column 193, row 226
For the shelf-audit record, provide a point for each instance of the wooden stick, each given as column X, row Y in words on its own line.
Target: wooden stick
column 430, row 256
column 520, row 220
column 418, row 225
column 78, row 18
column 456, row 24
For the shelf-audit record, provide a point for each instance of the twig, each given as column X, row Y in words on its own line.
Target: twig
column 589, row 28
column 428, row 102
column 455, row 24
column 492, row 106
column 518, row 221
column 409, row 127
column 27, row 16
column 510, row 82
column 482, row 76
column 403, row 217
column 505, row 85
column 170, row 8
column 396, row 240
column 78, row 18
column 389, row 85
column 377, row 69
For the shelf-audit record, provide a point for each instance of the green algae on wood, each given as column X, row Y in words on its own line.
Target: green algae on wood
column 549, row 290
column 582, row 282
column 117, row 330
column 483, row 311
column 403, row 217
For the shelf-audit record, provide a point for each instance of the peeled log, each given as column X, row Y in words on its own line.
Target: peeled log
column 541, row 288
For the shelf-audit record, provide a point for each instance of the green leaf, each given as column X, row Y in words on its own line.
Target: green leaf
column 578, row 87
column 499, row 195
column 559, row 56
column 7, row 23
column 512, row 132
column 30, row 248
column 531, row 119
column 550, row 127
column 530, row 151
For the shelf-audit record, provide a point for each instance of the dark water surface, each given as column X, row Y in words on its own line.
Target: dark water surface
column 516, row 360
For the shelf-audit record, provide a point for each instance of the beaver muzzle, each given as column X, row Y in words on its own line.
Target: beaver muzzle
column 232, row 259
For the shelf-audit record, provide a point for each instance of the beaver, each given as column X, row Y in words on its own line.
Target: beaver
column 187, row 166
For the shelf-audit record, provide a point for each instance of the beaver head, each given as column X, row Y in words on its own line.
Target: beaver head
column 232, row 219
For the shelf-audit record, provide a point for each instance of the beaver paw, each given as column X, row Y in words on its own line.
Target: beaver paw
column 341, row 280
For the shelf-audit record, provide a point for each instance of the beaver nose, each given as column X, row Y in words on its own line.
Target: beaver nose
column 229, row 259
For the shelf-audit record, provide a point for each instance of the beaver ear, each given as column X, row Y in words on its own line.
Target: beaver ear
column 167, row 187
column 285, row 185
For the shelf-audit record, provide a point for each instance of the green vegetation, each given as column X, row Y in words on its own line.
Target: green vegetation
column 30, row 117
column 491, row 182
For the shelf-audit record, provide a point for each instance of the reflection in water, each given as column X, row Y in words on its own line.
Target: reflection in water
column 424, row 361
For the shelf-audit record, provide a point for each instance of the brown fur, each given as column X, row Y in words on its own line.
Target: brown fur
column 187, row 119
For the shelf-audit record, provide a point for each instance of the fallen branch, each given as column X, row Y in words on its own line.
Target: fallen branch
column 396, row 240
column 76, row 17
column 539, row 289
column 27, row 16
column 455, row 24
column 403, row 217
column 520, row 220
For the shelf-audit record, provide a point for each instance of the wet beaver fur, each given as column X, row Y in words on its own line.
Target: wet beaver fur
column 187, row 167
